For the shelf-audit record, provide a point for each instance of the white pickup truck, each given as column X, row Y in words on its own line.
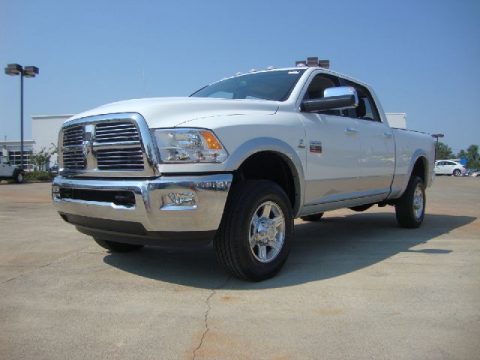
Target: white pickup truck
column 8, row 171
column 235, row 163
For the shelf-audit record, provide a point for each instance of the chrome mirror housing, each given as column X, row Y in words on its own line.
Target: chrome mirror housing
column 342, row 91
column 334, row 98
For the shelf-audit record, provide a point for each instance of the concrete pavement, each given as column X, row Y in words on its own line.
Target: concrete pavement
column 354, row 287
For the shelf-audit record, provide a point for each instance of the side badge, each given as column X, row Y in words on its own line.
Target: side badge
column 316, row 147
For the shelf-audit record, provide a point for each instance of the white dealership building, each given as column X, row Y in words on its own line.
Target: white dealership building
column 45, row 130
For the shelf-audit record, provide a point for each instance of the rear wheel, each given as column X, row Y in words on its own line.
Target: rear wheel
column 410, row 208
column 254, row 238
column 457, row 172
column 313, row 217
column 116, row 246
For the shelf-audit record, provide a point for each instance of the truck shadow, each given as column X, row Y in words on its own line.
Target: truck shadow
column 332, row 247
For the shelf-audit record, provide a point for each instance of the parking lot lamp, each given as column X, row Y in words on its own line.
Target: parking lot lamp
column 27, row 71
column 437, row 136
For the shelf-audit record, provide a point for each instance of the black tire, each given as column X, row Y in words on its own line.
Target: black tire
column 232, row 242
column 116, row 246
column 313, row 217
column 457, row 172
column 18, row 177
column 410, row 208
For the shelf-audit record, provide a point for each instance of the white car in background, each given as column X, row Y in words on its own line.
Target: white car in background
column 449, row 167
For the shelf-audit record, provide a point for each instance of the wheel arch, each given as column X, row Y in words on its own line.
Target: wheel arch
column 271, row 159
column 420, row 168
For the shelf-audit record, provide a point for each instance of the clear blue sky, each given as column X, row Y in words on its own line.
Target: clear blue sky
column 422, row 57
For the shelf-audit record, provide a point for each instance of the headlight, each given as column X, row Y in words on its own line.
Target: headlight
column 189, row 145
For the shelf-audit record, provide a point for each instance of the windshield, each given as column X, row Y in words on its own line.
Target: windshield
column 268, row 85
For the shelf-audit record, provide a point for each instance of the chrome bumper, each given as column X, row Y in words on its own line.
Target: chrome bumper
column 164, row 204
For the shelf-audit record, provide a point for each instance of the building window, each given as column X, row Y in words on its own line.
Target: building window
column 15, row 159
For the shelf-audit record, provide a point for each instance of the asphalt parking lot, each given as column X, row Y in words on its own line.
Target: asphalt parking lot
column 355, row 287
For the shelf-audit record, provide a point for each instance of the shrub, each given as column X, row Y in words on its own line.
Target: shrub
column 38, row 176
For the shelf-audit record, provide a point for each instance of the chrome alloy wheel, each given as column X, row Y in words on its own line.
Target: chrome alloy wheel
column 418, row 202
column 267, row 232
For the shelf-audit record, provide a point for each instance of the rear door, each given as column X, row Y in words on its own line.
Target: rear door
column 451, row 166
column 377, row 148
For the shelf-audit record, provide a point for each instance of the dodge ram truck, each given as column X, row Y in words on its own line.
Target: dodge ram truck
column 235, row 163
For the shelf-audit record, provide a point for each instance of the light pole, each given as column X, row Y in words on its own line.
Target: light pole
column 437, row 136
column 23, row 71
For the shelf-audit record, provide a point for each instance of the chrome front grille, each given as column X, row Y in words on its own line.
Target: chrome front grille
column 73, row 135
column 107, row 146
column 116, row 132
column 125, row 152
column 120, row 159
column 73, row 159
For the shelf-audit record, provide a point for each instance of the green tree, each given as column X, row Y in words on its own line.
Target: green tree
column 443, row 151
column 473, row 158
column 462, row 154
column 41, row 159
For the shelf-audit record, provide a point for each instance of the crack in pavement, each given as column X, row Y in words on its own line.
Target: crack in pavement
column 206, row 314
column 55, row 261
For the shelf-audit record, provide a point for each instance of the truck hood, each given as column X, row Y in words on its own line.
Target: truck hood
column 176, row 111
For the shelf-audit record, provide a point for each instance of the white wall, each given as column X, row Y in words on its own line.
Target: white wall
column 45, row 130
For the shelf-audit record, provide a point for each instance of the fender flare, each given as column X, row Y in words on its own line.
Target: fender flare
column 416, row 155
column 267, row 144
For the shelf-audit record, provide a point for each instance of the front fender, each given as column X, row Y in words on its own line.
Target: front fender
column 262, row 144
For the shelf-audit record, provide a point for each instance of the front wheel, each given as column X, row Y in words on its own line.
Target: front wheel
column 116, row 246
column 254, row 238
column 410, row 208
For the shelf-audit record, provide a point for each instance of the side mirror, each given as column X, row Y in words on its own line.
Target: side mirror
column 334, row 98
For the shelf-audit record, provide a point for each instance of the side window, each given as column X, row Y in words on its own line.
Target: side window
column 316, row 88
column 366, row 108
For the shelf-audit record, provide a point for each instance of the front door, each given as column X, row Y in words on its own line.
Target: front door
column 333, row 146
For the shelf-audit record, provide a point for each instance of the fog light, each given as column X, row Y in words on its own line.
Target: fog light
column 180, row 199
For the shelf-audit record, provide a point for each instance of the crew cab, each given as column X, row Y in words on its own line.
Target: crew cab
column 236, row 162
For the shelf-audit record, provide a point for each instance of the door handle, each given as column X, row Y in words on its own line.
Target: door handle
column 388, row 135
column 351, row 131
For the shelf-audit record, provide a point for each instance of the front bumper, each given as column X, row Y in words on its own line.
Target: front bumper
column 141, row 211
